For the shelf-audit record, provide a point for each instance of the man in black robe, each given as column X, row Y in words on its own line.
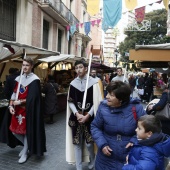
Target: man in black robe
column 78, row 131
column 34, row 140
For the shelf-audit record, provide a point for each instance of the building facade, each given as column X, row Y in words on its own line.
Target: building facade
column 42, row 23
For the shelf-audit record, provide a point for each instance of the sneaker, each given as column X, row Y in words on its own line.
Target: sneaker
column 23, row 159
column 91, row 164
column 20, row 154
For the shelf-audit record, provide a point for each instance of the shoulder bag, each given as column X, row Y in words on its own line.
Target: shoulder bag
column 163, row 114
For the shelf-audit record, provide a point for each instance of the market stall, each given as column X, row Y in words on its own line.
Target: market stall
column 11, row 54
column 61, row 69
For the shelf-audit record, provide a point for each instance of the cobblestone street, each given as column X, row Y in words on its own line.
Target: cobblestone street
column 54, row 158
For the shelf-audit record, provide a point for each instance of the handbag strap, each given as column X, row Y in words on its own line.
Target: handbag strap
column 53, row 88
column 168, row 101
column 134, row 112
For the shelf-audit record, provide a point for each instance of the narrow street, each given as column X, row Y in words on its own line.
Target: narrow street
column 54, row 158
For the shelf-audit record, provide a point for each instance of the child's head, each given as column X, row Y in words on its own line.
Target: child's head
column 147, row 125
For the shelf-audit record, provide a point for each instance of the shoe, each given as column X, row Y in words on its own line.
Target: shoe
column 50, row 122
column 91, row 164
column 23, row 159
column 20, row 154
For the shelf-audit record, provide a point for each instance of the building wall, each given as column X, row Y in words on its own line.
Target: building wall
column 36, row 26
column 24, row 21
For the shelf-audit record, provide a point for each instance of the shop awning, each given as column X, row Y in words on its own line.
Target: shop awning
column 61, row 57
column 11, row 50
column 156, row 52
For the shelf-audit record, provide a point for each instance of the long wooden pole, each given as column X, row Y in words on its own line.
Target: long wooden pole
column 125, row 73
column 87, row 82
column 17, row 93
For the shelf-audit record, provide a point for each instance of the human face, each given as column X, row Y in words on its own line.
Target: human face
column 112, row 100
column 93, row 73
column 119, row 72
column 80, row 70
column 140, row 132
column 27, row 67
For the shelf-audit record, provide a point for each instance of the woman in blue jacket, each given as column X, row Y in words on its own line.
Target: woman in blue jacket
column 152, row 145
column 113, row 128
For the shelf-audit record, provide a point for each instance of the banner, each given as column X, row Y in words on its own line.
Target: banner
column 140, row 14
column 93, row 7
column 112, row 12
column 131, row 4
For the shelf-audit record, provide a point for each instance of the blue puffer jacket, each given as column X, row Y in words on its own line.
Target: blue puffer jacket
column 148, row 157
column 114, row 127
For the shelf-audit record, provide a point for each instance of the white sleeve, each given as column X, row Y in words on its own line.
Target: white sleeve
column 13, row 97
column 72, row 107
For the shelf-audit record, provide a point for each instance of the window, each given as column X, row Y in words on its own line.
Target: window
column 45, row 33
column 8, row 20
column 59, row 40
column 69, row 45
column 71, row 3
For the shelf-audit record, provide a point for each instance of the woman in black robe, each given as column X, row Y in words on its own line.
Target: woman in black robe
column 50, row 90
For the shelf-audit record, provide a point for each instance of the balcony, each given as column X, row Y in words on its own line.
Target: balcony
column 58, row 10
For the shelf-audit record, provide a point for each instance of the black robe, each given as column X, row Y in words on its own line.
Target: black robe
column 34, row 123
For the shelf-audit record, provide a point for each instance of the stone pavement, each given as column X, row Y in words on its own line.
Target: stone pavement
column 54, row 158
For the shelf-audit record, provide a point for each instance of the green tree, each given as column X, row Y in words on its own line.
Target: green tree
column 157, row 34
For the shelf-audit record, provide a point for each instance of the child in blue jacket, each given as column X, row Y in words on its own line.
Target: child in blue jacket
column 151, row 147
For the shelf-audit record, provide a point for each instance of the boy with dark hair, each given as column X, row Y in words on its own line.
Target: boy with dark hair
column 78, row 123
column 152, row 146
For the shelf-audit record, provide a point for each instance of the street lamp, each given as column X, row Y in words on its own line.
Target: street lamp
column 116, row 52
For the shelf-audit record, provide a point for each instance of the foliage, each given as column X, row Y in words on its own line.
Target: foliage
column 157, row 35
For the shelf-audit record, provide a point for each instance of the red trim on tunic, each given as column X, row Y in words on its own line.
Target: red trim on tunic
column 18, row 121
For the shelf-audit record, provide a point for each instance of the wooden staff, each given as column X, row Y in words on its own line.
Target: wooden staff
column 87, row 82
column 17, row 93
column 125, row 73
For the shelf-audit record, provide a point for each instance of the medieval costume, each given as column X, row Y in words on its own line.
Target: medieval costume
column 74, row 130
column 28, row 118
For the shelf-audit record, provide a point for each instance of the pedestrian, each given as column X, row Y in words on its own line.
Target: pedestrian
column 113, row 128
column 78, row 123
column 10, row 82
column 50, row 90
column 27, row 123
column 120, row 76
column 93, row 74
column 132, row 82
column 152, row 145
column 148, row 87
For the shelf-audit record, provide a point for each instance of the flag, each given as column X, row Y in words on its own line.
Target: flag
column 112, row 11
column 166, row 2
column 131, row 4
column 93, row 7
column 140, row 14
column 72, row 29
column 87, row 27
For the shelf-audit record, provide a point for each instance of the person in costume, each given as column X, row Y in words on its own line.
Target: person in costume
column 78, row 123
column 113, row 128
column 27, row 123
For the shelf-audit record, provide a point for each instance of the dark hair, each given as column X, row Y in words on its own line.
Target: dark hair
column 50, row 78
column 150, row 123
column 119, row 68
column 121, row 90
column 29, row 60
column 81, row 62
column 13, row 70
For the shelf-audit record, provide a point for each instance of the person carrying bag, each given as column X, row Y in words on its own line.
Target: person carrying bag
column 161, row 109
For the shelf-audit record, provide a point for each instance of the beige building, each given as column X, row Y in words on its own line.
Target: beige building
column 44, row 23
